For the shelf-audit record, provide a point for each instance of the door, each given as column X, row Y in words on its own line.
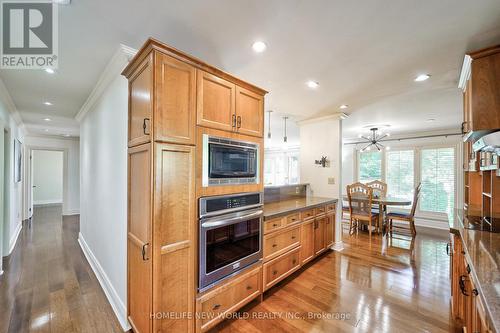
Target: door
column 329, row 230
column 307, row 241
column 139, row 238
column 175, row 96
column 249, row 112
column 319, row 235
column 140, row 104
column 215, row 102
column 174, row 237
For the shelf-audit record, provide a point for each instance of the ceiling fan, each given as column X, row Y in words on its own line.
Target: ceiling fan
column 374, row 140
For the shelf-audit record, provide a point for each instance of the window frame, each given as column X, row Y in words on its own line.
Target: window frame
column 417, row 175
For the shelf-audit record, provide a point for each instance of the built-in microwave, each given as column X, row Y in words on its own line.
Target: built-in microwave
column 229, row 162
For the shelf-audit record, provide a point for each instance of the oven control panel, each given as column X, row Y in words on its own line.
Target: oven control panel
column 211, row 205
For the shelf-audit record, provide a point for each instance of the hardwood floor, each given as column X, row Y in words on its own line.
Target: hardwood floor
column 378, row 286
column 48, row 285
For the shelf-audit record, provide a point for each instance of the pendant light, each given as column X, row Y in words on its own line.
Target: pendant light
column 269, row 124
column 285, row 138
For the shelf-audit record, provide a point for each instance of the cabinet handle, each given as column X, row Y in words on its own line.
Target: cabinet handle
column 249, row 287
column 145, row 126
column 144, row 252
column 475, row 292
column 275, row 224
column 275, row 272
column 294, row 261
column 293, row 237
column 233, row 121
column 468, row 269
column 461, row 283
column 274, row 245
column 239, row 122
column 216, row 306
column 463, row 127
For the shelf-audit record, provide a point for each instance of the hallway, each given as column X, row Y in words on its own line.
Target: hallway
column 48, row 285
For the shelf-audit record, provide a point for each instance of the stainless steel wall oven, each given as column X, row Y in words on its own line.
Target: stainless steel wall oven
column 230, row 235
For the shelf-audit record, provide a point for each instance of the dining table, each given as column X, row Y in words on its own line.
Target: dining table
column 383, row 202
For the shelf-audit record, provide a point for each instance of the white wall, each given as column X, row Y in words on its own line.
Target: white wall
column 71, row 175
column 47, row 177
column 103, row 219
column 322, row 137
column 11, row 207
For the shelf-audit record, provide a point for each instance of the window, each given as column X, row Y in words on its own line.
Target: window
column 438, row 180
column 399, row 174
column 370, row 166
column 281, row 168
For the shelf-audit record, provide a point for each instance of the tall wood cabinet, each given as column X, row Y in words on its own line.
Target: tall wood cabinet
column 172, row 98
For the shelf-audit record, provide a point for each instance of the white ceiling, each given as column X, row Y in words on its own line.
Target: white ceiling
column 364, row 54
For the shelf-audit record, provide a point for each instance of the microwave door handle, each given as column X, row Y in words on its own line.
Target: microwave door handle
column 216, row 222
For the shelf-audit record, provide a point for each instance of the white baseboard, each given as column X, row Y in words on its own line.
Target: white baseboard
column 71, row 212
column 13, row 240
column 338, row 246
column 110, row 292
column 47, row 202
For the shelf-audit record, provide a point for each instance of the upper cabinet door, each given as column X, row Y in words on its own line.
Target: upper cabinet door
column 140, row 104
column 215, row 103
column 249, row 112
column 485, row 93
column 175, row 96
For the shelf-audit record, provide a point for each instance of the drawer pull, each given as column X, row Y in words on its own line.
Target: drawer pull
column 249, row 287
column 293, row 237
column 275, row 224
column 461, row 283
column 274, row 245
column 468, row 269
column 294, row 261
column 275, row 272
column 216, row 306
column 475, row 292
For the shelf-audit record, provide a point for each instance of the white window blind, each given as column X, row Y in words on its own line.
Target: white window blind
column 399, row 174
column 438, row 180
column 370, row 166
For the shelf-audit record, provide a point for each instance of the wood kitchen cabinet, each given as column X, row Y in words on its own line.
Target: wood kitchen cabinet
column 216, row 102
column 329, row 229
column 481, row 86
column 307, row 241
column 224, row 105
column 319, row 234
column 170, row 93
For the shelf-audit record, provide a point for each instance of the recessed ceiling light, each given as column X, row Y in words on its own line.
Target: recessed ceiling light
column 47, row 103
column 66, row 135
column 312, row 84
column 46, row 130
column 259, row 46
column 49, row 70
column 47, row 119
column 387, row 148
column 344, row 106
column 422, row 77
column 430, row 120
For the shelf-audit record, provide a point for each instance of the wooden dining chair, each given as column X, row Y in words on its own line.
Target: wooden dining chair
column 404, row 216
column 379, row 188
column 360, row 207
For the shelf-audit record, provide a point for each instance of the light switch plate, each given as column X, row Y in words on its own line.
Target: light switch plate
column 331, row 180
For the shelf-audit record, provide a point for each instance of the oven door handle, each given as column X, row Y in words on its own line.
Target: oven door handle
column 216, row 222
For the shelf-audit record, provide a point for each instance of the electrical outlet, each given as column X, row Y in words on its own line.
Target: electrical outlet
column 297, row 190
column 331, row 180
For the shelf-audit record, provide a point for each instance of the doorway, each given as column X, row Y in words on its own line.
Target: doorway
column 47, row 177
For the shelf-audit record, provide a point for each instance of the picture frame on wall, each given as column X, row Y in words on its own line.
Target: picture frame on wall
column 17, row 160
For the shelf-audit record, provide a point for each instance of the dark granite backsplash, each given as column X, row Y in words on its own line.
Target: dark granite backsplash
column 284, row 192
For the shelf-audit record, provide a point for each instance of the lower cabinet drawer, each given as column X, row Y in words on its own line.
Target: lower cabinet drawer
column 320, row 210
column 279, row 268
column 294, row 218
column 230, row 297
column 330, row 208
column 281, row 241
column 307, row 214
column 273, row 224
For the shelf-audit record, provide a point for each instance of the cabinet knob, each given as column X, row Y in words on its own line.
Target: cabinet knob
column 216, row 306
column 275, row 224
column 249, row 287
column 293, row 237
column 275, row 272
column 294, row 261
column 274, row 245
column 475, row 292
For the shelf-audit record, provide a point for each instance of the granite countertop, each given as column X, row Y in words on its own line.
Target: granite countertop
column 482, row 251
column 284, row 207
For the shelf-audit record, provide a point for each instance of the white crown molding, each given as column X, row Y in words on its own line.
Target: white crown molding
column 334, row 116
column 114, row 68
column 9, row 103
column 465, row 73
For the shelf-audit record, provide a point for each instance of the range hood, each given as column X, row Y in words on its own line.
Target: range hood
column 489, row 143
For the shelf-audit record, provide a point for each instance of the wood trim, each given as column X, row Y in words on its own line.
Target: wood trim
column 153, row 44
column 175, row 247
column 485, row 52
